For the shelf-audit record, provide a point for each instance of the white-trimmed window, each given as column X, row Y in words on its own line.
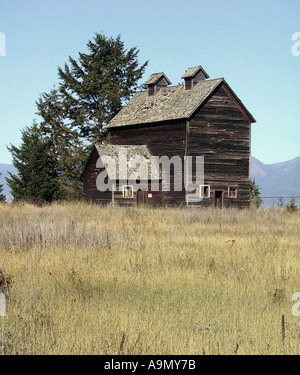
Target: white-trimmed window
column 232, row 192
column 127, row 191
column 204, row 191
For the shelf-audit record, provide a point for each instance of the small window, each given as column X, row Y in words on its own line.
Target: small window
column 127, row 191
column 187, row 83
column 204, row 191
column 232, row 192
column 150, row 90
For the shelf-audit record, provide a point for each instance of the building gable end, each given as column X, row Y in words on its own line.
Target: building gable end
column 90, row 157
column 230, row 95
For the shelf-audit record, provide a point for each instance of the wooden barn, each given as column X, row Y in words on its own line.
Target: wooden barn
column 201, row 117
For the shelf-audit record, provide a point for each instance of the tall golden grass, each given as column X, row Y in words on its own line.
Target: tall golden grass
column 84, row 279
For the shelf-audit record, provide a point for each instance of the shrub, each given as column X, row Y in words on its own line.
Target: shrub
column 292, row 206
column 255, row 198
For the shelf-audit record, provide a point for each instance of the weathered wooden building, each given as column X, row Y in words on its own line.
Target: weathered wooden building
column 201, row 117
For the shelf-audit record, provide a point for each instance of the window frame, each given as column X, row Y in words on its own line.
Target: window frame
column 235, row 188
column 207, row 196
column 129, row 187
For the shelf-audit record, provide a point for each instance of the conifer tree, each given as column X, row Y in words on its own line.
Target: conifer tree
column 2, row 196
column 255, row 198
column 66, row 147
column 37, row 174
column 91, row 91
column 95, row 86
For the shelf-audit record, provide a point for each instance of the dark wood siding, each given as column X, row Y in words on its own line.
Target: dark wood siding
column 89, row 178
column 200, row 76
column 161, row 139
column 92, row 194
column 152, row 197
column 221, row 133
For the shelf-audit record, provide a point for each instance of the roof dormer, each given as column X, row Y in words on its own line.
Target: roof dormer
column 193, row 75
column 156, row 82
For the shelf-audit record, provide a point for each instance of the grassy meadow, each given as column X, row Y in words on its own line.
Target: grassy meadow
column 83, row 279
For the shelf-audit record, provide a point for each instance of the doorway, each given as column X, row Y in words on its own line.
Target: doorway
column 141, row 197
column 219, row 199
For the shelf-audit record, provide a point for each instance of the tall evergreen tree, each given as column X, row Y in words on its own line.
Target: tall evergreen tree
column 2, row 196
column 95, row 87
column 37, row 175
column 66, row 147
column 91, row 91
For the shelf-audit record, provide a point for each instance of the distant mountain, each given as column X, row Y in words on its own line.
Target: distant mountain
column 276, row 180
column 4, row 169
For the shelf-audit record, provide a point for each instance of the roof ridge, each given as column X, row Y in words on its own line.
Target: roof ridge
column 154, row 78
column 192, row 71
column 169, row 104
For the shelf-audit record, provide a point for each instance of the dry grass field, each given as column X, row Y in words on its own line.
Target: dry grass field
column 89, row 280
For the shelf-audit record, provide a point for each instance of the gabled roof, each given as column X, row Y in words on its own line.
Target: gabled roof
column 129, row 152
column 169, row 103
column 191, row 72
column 156, row 77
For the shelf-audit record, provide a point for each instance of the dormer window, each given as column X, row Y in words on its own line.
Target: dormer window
column 194, row 75
column 156, row 82
column 151, row 90
column 188, row 83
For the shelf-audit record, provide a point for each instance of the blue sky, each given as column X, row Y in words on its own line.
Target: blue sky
column 249, row 43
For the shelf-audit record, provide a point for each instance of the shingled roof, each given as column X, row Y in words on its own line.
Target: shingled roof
column 156, row 77
column 170, row 103
column 131, row 152
column 191, row 72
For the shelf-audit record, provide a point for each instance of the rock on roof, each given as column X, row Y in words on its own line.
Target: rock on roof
column 170, row 103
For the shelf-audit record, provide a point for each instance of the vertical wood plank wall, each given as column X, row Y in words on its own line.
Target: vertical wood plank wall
column 92, row 194
column 161, row 139
column 221, row 133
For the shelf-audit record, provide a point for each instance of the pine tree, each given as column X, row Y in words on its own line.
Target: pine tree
column 91, row 91
column 2, row 196
column 255, row 198
column 95, row 87
column 37, row 175
column 66, row 147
